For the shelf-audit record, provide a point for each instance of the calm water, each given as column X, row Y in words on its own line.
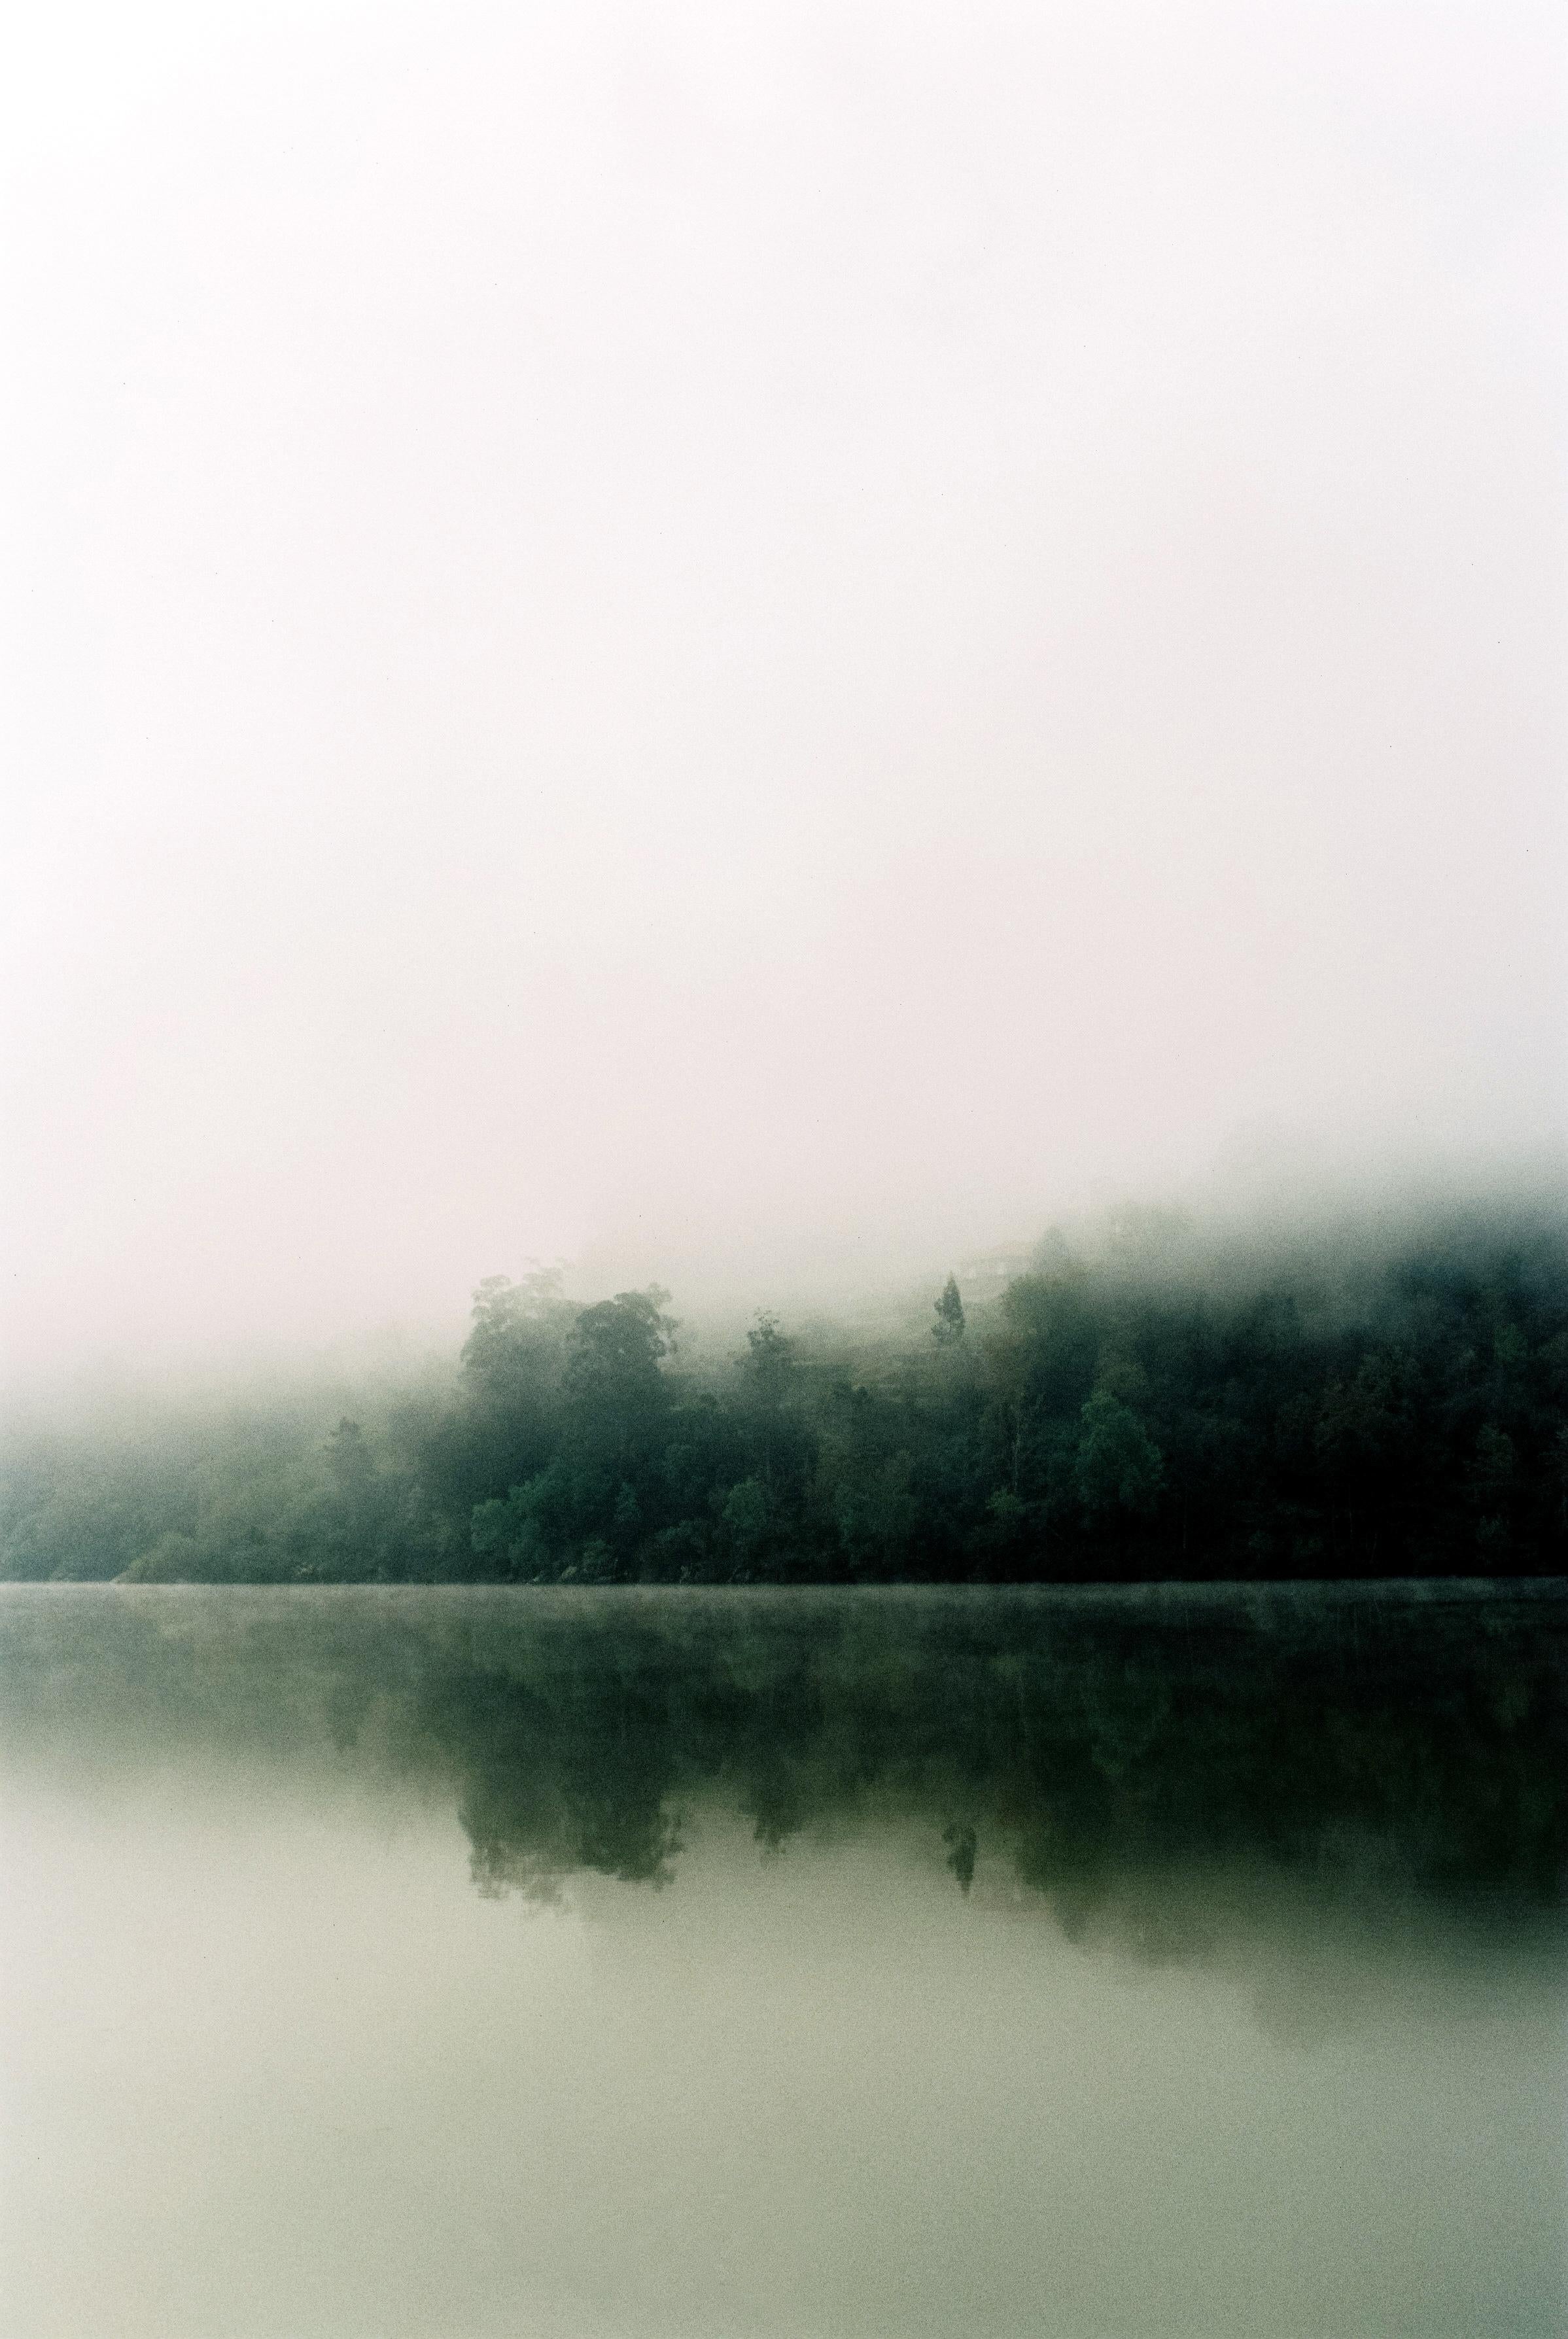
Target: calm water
column 688, row 1963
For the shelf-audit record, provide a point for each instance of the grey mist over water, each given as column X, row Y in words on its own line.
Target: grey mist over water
column 1092, row 1963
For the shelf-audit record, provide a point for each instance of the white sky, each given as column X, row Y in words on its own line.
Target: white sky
column 698, row 634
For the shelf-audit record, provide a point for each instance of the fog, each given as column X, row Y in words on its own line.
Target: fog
column 710, row 640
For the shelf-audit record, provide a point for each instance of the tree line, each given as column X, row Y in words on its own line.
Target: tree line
column 1133, row 1411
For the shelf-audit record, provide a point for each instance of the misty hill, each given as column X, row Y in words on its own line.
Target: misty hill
column 1155, row 1406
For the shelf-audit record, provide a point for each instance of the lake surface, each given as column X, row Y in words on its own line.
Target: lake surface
column 1080, row 1964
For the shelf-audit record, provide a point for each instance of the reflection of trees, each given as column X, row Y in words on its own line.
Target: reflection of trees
column 553, row 1782
column 1089, row 1741
column 1092, row 1747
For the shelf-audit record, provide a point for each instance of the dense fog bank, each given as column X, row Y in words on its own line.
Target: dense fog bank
column 1156, row 1403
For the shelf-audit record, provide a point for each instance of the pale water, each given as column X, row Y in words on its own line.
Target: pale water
column 1070, row 1964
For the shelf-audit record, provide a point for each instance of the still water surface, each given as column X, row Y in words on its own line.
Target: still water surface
column 437, row 1965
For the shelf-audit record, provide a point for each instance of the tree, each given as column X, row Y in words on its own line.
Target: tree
column 615, row 1351
column 770, row 1366
column 1118, row 1465
column 747, row 1515
column 349, row 1463
column 614, row 1390
column 770, row 1361
column 513, row 1326
column 947, row 1329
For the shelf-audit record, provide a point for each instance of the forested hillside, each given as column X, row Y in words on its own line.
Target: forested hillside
column 1133, row 1410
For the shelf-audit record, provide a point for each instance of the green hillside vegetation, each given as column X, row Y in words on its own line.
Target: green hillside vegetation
column 1155, row 1406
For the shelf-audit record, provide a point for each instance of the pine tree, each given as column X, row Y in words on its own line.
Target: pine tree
column 948, row 1325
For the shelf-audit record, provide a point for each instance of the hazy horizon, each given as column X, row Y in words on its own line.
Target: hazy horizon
column 762, row 644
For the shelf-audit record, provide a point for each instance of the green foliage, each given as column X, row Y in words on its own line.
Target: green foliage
column 948, row 1328
column 516, row 1327
column 1118, row 1468
column 771, row 1362
column 613, row 1361
column 1142, row 1413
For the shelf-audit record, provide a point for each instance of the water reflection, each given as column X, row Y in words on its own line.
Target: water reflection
column 1112, row 1966
column 1091, row 1748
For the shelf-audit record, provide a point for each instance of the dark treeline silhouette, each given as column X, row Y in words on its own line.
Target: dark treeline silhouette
column 1114, row 1751
column 1152, row 1409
